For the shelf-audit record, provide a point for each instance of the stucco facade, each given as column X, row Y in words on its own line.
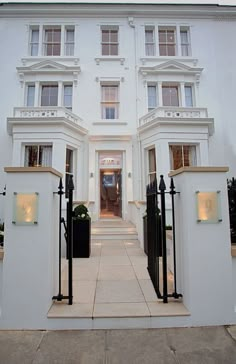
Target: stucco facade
column 112, row 82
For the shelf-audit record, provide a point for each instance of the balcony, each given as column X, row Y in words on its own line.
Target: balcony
column 177, row 116
column 45, row 116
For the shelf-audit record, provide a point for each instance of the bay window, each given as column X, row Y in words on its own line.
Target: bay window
column 152, row 97
column 182, row 156
column 30, row 95
column 49, row 95
column 38, row 156
column 151, row 165
column 188, row 95
column 170, row 95
column 68, row 96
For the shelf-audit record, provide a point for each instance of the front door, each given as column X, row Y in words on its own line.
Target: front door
column 110, row 193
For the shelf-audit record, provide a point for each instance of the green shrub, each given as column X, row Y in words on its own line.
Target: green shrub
column 81, row 212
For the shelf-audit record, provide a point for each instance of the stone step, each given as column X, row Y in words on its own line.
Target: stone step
column 113, row 229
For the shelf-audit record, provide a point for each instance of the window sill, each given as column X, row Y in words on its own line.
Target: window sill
column 110, row 122
column 109, row 59
column 189, row 59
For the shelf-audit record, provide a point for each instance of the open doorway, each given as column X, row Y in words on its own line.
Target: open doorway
column 110, row 193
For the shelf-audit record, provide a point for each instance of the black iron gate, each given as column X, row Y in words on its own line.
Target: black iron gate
column 2, row 224
column 156, row 238
column 68, row 236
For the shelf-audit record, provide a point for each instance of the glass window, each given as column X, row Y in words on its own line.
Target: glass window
column 150, row 41
column 30, row 95
column 110, row 42
column 182, row 156
column 152, row 97
column 52, row 42
column 185, row 42
column 152, row 165
column 170, row 95
column 49, row 95
column 188, row 96
column 69, row 42
column 68, row 96
column 38, row 156
column 34, row 42
column 110, row 103
column 167, row 42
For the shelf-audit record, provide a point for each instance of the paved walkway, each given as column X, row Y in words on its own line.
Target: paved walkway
column 113, row 282
column 206, row 345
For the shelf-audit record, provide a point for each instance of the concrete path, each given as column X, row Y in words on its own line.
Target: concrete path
column 206, row 345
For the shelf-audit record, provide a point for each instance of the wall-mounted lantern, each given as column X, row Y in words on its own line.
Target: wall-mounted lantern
column 25, row 208
column 208, row 207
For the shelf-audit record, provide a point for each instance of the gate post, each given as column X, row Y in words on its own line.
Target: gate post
column 30, row 265
column 204, row 262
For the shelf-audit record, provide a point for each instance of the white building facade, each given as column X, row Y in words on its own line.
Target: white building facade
column 116, row 95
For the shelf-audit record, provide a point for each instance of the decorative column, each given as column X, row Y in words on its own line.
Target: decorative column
column 160, row 100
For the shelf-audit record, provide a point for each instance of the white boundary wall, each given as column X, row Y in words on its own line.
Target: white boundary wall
column 30, row 268
column 204, row 259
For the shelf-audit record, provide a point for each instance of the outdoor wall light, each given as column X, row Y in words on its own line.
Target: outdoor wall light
column 25, row 208
column 208, row 207
column 91, row 174
column 129, row 174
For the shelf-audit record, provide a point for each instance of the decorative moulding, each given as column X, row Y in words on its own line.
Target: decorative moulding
column 170, row 67
column 48, row 66
column 98, row 60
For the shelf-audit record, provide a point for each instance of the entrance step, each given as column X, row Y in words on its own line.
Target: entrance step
column 113, row 229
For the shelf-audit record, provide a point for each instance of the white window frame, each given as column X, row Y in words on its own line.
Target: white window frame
column 49, row 84
column 174, row 43
column 151, row 173
column 38, row 146
column 109, row 42
column 154, row 85
column 33, row 43
column 69, row 45
column 182, row 145
column 69, row 107
column 186, row 96
column 27, row 96
column 150, row 46
column 174, row 85
column 113, row 103
column 187, row 44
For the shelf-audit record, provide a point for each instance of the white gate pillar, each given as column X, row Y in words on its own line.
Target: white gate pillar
column 30, row 266
column 204, row 263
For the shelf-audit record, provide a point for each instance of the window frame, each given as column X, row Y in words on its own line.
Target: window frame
column 151, row 44
column 187, row 44
column 32, row 43
column 110, row 43
column 71, row 96
column 47, row 85
column 53, row 43
column 193, row 149
column 38, row 146
column 165, row 43
column 153, row 85
column 151, row 175
column 69, row 42
column 104, row 102
column 171, row 85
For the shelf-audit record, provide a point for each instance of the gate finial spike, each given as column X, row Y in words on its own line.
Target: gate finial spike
column 162, row 186
column 172, row 186
column 70, row 182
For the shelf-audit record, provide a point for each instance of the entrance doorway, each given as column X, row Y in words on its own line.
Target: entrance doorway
column 110, row 193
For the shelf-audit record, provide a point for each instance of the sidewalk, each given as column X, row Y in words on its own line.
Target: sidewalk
column 205, row 345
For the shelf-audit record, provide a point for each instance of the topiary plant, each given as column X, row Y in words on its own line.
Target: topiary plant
column 81, row 212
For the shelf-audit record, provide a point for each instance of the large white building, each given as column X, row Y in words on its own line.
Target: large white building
column 116, row 94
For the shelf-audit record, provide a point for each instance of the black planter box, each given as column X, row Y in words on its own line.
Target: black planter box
column 81, row 238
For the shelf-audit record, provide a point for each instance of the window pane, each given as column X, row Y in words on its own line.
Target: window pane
column 114, row 50
column 170, row 96
column 30, row 95
column 68, row 96
column 152, row 97
column 171, row 50
column 49, row 96
column 69, row 42
column 105, row 35
column 52, row 43
column 184, row 36
column 114, row 36
column 38, row 156
column 182, row 156
column 188, row 96
column 109, row 42
column 34, row 42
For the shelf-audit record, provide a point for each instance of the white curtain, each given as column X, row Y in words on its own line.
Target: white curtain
column 46, row 156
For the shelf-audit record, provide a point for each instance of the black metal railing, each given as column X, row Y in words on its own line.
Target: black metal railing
column 2, row 224
column 232, row 208
column 68, row 236
column 156, row 238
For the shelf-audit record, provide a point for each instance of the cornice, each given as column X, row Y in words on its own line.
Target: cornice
column 114, row 10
